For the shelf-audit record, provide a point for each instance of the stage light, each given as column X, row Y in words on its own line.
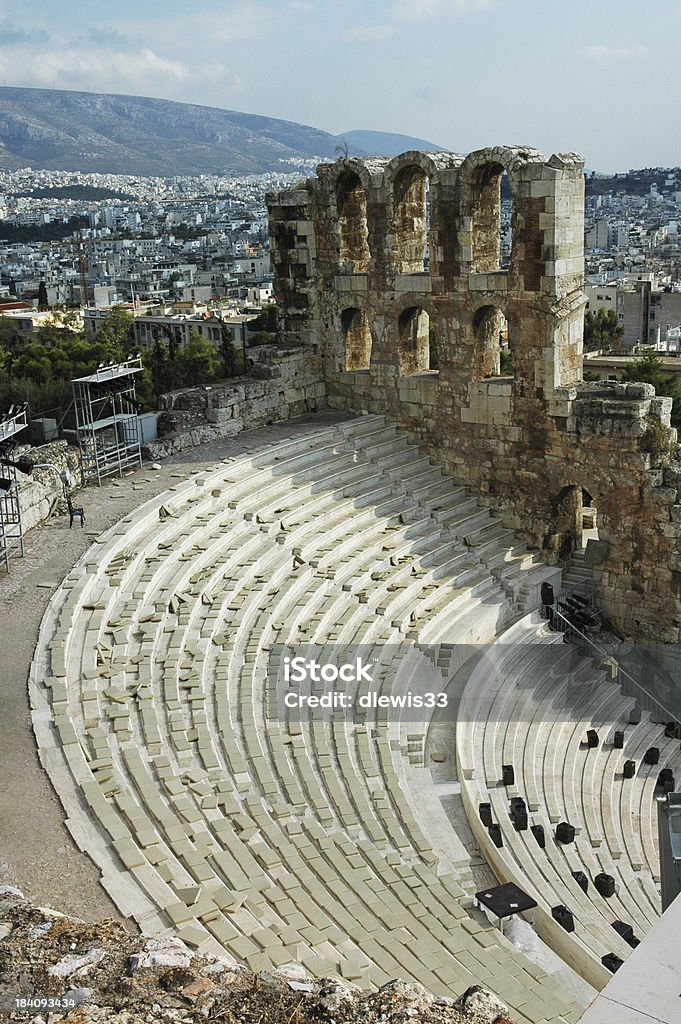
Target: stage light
column 23, row 464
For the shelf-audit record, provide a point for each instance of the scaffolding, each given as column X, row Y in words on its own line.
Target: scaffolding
column 106, row 420
column 11, row 531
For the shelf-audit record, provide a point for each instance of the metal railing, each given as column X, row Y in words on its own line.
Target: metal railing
column 633, row 688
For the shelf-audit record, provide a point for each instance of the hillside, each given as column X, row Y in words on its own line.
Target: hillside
column 54, row 129
column 60, row 130
column 633, row 182
column 384, row 143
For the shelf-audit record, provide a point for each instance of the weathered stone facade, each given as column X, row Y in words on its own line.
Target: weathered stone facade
column 375, row 259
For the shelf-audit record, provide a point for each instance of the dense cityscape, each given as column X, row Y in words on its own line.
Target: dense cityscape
column 151, row 243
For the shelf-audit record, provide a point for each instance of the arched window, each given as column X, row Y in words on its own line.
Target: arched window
column 411, row 224
column 414, row 341
column 357, row 339
column 351, row 202
column 491, row 239
column 492, row 356
column 506, row 225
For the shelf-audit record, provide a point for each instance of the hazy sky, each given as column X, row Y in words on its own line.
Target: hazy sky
column 602, row 77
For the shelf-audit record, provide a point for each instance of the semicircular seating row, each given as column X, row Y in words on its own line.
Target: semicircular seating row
column 529, row 704
column 272, row 839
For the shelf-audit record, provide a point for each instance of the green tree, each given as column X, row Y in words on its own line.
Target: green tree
column 602, row 330
column 116, row 333
column 10, row 334
column 43, row 301
column 267, row 320
column 506, row 363
column 198, row 360
column 173, row 343
column 227, row 351
column 433, row 354
column 156, row 358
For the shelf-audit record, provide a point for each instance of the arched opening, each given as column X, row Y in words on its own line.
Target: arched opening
column 357, row 339
column 506, row 224
column 491, row 234
column 411, row 197
column 574, row 521
column 351, row 202
column 414, row 341
column 589, row 519
column 492, row 356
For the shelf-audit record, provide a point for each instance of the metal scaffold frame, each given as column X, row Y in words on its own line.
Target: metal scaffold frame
column 11, row 530
column 106, row 419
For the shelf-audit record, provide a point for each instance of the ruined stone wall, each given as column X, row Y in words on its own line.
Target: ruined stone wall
column 286, row 382
column 389, row 271
column 42, row 494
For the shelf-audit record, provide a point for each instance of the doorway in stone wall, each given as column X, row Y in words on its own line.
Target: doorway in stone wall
column 574, row 521
column 589, row 518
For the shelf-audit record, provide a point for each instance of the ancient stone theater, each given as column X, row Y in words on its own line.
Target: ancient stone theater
column 460, row 475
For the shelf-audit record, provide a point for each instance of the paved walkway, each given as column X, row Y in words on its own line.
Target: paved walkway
column 37, row 852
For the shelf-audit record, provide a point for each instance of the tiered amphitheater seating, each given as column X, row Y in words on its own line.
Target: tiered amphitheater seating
column 274, row 837
column 529, row 704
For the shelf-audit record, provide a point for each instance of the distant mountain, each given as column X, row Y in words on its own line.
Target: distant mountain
column 87, row 131
column 384, row 143
column 82, row 131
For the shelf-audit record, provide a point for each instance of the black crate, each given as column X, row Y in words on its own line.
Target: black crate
column 565, row 832
column 538, row 833
column 652, row 755
column 612, row 962
column 624, row 929
column 591, row 738
column 507, row 775
column 564, row 917
column 605, row 884
column 495, row 835
column 618, row 739
column 581, row 880
column 485, row 812
column 629, row 769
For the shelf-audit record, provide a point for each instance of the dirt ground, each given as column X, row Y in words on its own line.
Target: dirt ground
column 37, row 853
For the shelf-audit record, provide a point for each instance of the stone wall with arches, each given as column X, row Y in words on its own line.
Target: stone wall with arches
column 392, row 272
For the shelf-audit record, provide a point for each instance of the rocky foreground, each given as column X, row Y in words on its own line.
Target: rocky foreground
column 55, row 968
